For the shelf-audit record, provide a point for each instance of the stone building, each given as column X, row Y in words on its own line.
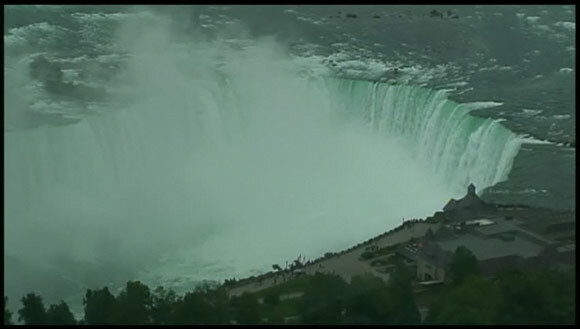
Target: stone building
column 469, row 207
column 497, row 241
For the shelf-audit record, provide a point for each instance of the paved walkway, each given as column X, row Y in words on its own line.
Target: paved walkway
column 347, row 265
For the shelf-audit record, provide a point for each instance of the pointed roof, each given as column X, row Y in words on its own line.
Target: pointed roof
column 450, row 204
column 468, row 206
column 471, row 189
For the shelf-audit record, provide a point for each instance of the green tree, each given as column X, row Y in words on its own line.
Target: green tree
column 60, row 314
column 162, row 308
column 133, row 305
column 463, row 264
column 271, row 299
column 7, row 313
column 368, row 301
column 246, row 309
column 519, row 300
column 195, row 309
column 556, row 299
column 474, row 302
column 218, row 298
column 276, row 316
column 98, row 305
column 32, row 311
column 324, row 300
column 206, row 305
column 400, row 289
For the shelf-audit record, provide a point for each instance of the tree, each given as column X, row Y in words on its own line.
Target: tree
column 218, row 299
column 368, row 301
column 162, row 308
column 195, row 309
column 133, row 305
column 555, row 299
column 60, row 314
column 7, row 313
column 98, row 305
column 400, row 289
column 271, row 299
column 474, row 302
column 520, row 300
column 276, row 316
column 511, row 298
column 246, row 309
column 462, row 265
column 324, row 300
column 206, row 305
column 32, row 311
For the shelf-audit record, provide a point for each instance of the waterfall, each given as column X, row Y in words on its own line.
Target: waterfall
column 210, row 172
column 457, row 147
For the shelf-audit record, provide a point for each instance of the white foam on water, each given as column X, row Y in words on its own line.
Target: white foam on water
column 230, row 155
column 566, row 25
column 482, row 105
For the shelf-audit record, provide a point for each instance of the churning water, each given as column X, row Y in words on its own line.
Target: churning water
column 217, row 159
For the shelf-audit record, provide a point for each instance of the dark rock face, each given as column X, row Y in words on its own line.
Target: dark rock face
column 51, row 76
column 78, row 91
column 436, row 13
column 42, row 69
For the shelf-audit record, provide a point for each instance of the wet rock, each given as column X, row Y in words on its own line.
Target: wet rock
column 75, row 91
column 43, row 70
column 436, row 13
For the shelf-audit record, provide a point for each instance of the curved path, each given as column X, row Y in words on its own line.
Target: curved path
column 345, row 264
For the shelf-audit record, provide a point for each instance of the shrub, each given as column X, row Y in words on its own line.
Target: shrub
column 271, row 299
column 367, row 255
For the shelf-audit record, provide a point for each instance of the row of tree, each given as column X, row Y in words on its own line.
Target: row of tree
column 33, row 312
column 366, row 300
column 511, row 297
column 327, row 299
column 135, row 304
